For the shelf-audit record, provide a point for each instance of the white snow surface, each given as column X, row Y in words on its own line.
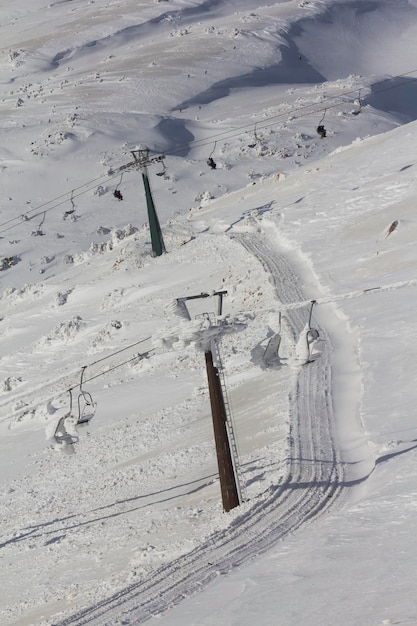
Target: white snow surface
column 312, row 239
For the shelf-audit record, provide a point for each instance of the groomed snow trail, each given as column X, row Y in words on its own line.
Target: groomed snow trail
column 313, row 483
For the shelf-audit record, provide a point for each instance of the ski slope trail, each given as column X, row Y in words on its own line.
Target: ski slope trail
column 313, row 482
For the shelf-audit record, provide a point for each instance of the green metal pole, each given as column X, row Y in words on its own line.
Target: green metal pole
column 158, row 246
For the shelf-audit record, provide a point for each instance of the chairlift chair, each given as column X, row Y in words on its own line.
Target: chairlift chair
column 312, row 334
column 86, row 405
column 257, row 140
column 70, row 211
column 39, row 232
column 164, row 169
column 358, row 102
column 86, row 408
column 61, row 433
column 117, row 193
column 320, row 128
column 210, row 162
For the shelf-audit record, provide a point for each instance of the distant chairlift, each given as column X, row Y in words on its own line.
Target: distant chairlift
column 320, row 128
column 358, row 103
column 210, row 162
column 39, row 232
column 164, row 169
column 312, row 334
column 256, row 138
column 117, row 193
column 71, row 212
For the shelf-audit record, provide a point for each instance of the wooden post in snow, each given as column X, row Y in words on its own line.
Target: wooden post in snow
column 228, row 485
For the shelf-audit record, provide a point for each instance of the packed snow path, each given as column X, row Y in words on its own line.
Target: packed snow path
column 313, row 482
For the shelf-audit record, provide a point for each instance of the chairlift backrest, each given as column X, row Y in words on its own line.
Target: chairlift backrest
column 86, row 407
column 312, row 335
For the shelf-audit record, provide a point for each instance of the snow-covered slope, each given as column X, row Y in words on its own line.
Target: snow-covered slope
column 127, row 521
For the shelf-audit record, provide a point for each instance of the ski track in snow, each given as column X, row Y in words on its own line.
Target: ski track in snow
column 313, row 483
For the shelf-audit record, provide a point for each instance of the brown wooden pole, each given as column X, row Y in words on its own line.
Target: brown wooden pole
column 228, row 485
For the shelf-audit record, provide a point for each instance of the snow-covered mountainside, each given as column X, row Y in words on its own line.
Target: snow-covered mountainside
column 312, row 237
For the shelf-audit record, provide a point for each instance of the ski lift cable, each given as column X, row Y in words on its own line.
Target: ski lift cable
column 234, row 132
column 331, row 299
column 58, row 204
column 285, row 307
column 198, row 143
column 109, row 356
column 203, row 142
column 195, row 144
column 132, row 345
column 64, row 195
column 108, row 371
column 230, row 134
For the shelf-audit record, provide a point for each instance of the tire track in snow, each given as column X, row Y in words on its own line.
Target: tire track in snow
column 313, row 482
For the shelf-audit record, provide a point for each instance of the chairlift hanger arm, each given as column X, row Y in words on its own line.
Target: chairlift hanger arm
column 120, row 181
column 84, row 367
column 70, row 402
column 138, row 162
column 212, row 152
column 110, row 369
column 104, row 358
column 313, row 302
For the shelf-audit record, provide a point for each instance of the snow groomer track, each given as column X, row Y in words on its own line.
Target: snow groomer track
column 313, row 481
